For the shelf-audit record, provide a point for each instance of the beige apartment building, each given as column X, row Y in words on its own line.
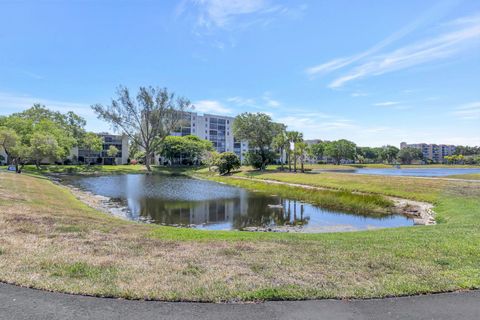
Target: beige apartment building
column 214, row 128
column 433, row 152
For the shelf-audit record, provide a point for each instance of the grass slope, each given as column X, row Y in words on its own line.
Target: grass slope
column 50, row 240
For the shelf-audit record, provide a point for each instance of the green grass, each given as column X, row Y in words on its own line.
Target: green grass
column 472, row 176
column 102, row 169
column 50, row 240
column 404, row 187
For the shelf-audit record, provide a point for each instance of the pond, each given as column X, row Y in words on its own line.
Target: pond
column 413, row 172
column 184, row 201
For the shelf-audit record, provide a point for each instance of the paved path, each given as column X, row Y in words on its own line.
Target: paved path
column 22, row 303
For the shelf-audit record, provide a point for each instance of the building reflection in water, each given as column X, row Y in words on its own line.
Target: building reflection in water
column 247, row 210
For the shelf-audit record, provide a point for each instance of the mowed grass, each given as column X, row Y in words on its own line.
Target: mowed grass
column 50, row 240
column 472, row 176
column 405, row 187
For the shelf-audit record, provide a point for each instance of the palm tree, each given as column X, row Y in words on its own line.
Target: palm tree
column 281, row 142
column 293, row 136
column 301, row 149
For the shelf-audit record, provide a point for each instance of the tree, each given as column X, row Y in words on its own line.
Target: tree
column 112, row 152
column 389, row 153
column 146, row 120
column 301, row 150
column 340, row 149
column 318, row 149
column 259, row 130
column 407, row 155
column 293, row 137
column 187, row 148
column 226, row 162
column 368, row 154
column 209, row 157
column 92, row 143
column 8, row 139
column 44, row 146
column 281, row 143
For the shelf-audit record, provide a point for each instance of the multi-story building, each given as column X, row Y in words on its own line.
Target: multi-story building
column 433, row 152
column 215, row 128
column 119, row 141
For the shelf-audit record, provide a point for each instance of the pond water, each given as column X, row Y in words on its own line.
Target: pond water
column 413, row 172
column 179, row 200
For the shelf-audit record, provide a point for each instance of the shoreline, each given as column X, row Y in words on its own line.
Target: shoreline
column 420, row 212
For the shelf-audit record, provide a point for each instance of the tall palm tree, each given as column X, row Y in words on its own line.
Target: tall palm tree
column 293, row 136
column 281, row 142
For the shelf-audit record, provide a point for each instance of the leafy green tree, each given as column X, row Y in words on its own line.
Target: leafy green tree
column 389, row 153
column 281, row 143
column 209, row 157
column 318, row 149
column 44, row 146
column 340, row 149
column 92, row 143
column 369, row 154
column 407, row 155
column 259, row 130
column 293, row 137
column 226, row 162
column 189, row 148
column 112, row 152
column 146, row 120
column 8, row 139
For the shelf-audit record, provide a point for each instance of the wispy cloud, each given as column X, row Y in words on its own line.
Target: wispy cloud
column 240, row 101
column 456, row 37
column 228, row 14
column 15, row 103
column 469, row 111
column 386, row 103
column 211, row 106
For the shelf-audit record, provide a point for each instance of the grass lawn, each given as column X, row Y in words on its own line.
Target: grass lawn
column 472, row 176
column 50, row 240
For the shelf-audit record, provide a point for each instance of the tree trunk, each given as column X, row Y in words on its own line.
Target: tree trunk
column 147, row 162
column 289, row 162
column 294, row 164
column 37, row 164
column 281, row 158
column 301, row 163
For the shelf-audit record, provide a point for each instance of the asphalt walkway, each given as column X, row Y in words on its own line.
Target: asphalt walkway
column 21, row 303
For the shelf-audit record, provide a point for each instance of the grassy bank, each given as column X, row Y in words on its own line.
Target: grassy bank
column 472, row 176
column 101, row 169
column 50, row 240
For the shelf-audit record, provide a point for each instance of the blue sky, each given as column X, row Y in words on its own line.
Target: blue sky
column 375, row 72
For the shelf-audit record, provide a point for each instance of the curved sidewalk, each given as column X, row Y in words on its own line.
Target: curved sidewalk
column 22, row 303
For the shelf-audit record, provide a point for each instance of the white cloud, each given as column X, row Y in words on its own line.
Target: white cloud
column 211, row 106
column 233, row 14
column 18, row 103
column 386, row 103
column 240, row 101
column 460, row 36
column 470, row 111
column 339, row 63
column 269, row 101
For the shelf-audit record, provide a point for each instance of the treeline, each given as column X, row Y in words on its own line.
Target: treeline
column 39, row 134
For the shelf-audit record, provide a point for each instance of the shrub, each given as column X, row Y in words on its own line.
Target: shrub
column 226, row 162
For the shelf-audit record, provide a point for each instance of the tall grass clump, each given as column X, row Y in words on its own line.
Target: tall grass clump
column 363, row 204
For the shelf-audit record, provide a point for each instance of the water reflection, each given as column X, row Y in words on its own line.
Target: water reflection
column 209, row 205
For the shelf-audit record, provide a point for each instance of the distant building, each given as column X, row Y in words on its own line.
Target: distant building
column 119, row 141
column 214, row 128
column 433, row 152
